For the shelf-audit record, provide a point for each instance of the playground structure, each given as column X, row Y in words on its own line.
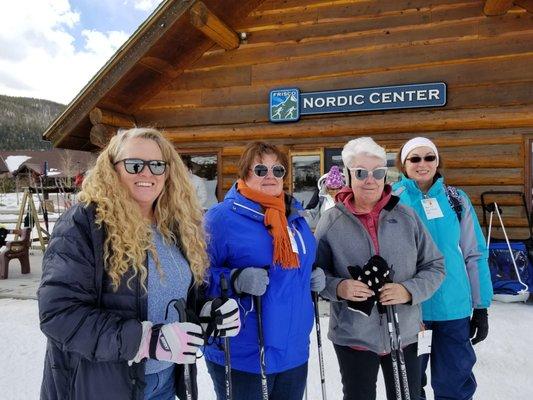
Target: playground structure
column 30, row 215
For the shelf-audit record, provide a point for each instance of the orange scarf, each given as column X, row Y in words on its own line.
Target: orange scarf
column 276, row 220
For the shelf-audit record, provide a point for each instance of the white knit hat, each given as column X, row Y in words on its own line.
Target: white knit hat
column 417, row 142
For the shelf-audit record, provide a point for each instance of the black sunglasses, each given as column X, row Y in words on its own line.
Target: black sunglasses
column 361, row 173
column 136, row 165
column 261, row 170
column 417, row 159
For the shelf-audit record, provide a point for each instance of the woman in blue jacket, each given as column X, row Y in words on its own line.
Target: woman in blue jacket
column 259, row 240
column 457, row 312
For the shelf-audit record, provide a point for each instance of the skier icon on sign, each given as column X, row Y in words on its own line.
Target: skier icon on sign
column 290, row 113
column 277, row 114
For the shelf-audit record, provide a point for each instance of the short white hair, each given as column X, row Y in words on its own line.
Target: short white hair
column 362, row 146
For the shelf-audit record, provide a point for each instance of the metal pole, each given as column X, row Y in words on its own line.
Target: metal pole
column 227, row 365
column 262, row 365
column 319, row 343
column 181, row 307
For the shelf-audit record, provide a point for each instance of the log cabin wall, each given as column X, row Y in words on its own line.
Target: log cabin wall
column 222, row 101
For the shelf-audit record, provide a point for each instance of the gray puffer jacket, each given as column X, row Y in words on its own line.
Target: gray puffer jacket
column 407, row 247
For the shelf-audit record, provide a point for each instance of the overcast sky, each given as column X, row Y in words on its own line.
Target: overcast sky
column 50, row 49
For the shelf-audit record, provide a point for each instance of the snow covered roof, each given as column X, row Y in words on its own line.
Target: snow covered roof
column 60, row 162
column 3, row 166
column 14, row 162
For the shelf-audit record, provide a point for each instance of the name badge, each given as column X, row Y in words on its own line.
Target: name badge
column 432, row 208
column 424, row 341
column 294, row 245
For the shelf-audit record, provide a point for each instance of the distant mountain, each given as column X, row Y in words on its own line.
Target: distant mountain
column 23, row 121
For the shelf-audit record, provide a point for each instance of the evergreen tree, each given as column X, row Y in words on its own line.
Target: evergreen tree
column 23, row 121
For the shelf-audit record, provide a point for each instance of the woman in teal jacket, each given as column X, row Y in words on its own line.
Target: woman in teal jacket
column 457, row 312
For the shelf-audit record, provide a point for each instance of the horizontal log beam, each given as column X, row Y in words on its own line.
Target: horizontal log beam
column 161, row 66
column 101, row 116
column 101, row 134
column 525, row 4
column 214, row 28
column 357, row 125
column 497, row 7
column 484, row 176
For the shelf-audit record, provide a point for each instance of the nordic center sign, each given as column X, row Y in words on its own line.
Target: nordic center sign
column 288, row 105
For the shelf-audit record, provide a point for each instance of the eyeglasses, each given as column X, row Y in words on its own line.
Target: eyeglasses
column 261, row 170
column 136, row 165
column 417, row 159
column 361, row 173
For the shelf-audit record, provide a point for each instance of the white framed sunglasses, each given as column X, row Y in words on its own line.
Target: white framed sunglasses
column 362, row 173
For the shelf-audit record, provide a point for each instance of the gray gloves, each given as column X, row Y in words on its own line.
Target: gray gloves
column 250, row 280
column 254, row 281
column 318, row 280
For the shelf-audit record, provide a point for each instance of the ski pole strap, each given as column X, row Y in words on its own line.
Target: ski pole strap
column 154, row 336
column 233, row 277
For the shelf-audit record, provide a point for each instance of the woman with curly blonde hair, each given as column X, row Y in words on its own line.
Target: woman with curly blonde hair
column 130, row 248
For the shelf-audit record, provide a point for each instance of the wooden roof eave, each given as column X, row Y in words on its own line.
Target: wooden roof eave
column 130, row 53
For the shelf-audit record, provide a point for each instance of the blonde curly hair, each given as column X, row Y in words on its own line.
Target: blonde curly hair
column 177, row 212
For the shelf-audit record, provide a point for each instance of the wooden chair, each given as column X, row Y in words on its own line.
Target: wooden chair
column 19, row 249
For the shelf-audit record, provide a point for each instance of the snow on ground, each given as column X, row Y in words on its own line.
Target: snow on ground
column 504, row 369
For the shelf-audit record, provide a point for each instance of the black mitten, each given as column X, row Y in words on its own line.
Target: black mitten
column 364, row 307
column 375, row 274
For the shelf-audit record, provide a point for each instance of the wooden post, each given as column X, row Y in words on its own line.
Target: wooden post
column 106, row 117
column 497, row 7
column 101, row 134
column 203, row 19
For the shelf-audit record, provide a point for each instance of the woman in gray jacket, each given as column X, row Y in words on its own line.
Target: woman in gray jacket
column 368, row 221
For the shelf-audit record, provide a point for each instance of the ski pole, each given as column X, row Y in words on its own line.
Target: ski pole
column 319, row 343
column 227, row 365
column 397, row 357
column 403, row 370
column 393, row 354
column 181, row 307
column 262, row 365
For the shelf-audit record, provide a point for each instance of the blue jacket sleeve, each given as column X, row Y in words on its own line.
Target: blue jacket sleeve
column 68, row 296
column 218, row 251
column 474, row 249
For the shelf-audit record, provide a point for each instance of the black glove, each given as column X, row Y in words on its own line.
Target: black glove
column 479, row 325
column 375, row 274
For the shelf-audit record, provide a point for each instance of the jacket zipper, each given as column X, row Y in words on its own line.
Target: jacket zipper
column 304, row 249
column 248, row 208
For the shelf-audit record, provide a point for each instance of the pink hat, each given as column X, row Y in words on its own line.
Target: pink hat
column 334, row 179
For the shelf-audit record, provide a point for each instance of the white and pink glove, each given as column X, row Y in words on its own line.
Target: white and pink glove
column 177, row 342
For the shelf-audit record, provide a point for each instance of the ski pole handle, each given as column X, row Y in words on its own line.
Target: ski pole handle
column 223, row 287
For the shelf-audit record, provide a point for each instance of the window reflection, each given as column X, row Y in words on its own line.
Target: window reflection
column 203, row 170
column 305, row 175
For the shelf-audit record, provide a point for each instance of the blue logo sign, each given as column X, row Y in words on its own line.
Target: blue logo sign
column 285, row 105
column 421, row 95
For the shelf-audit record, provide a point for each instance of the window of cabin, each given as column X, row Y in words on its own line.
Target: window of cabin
column 305, row 170
column 393, row 174
column 205, row 167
